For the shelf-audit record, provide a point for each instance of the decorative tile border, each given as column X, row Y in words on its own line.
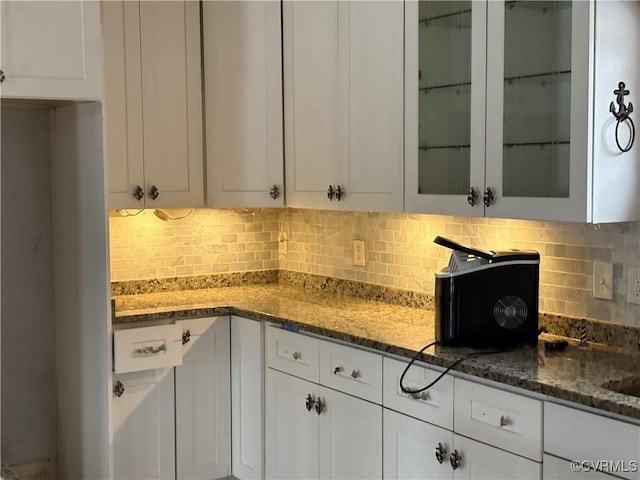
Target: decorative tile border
column 608, row 333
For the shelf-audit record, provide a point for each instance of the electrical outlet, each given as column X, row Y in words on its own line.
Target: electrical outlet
column 634, row 285
column 282, row 243
column 358, row 253
column 603, row 280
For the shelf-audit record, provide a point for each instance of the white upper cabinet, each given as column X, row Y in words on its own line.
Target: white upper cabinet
column 153, row 104
column 535, row 140
column 50, row 50
column 243, row 103
column 343, row 84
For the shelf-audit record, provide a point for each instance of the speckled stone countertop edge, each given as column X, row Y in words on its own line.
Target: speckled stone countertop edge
column 442, row 359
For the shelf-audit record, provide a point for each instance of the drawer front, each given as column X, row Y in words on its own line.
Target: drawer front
column 293, row 353
column 351, row 370
column 434, row 405
column 582, row 436
column 506, row 420
column 145, row 348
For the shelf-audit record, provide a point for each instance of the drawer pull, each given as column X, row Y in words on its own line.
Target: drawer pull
column 337, row 370
column 186, row 336
column 150, row 349
column 455, row 459
column 355, row 373
column 320, row 406
column 441, row 453
column 420, row 396
column 296, row 355
column 504, row 421
column 310, row 402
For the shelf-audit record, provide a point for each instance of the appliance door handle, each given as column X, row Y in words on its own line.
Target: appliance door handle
column 448, row 243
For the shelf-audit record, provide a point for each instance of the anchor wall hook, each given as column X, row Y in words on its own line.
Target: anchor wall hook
column 622, row 115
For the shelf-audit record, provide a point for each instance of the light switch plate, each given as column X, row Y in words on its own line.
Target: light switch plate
column 633, row 294
column 603, row 280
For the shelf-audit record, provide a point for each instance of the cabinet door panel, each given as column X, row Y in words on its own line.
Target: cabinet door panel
column 445, row 106
column 410, row 448
column 171, row 95
column 291, row 432
column 482, row 462
column 375, row 83
column 315, row 100
column 144, row 426
column 51, row 50
column 203, row 405
column 350, row 437
column 247, row 398
column 122, row 105
column 243, row 86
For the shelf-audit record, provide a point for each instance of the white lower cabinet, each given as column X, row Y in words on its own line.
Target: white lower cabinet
column 316, row 432
column 143, row 425
column 247, row 399
column 203, row 401
column 554, row 468
column 414, row 449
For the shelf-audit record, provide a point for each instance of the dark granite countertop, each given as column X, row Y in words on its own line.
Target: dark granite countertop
column 574, row 375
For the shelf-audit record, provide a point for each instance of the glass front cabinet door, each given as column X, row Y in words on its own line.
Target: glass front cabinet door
column 507, row 109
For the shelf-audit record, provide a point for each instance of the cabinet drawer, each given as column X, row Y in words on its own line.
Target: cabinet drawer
column 351, row 370
column 576, row 435
column 293, row 353
column 506, row 420
column 145, row 348
column 434, row 405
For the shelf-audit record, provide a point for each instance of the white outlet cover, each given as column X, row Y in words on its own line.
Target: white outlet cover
column 633, row 294
column 358, row 253
column 603, row 280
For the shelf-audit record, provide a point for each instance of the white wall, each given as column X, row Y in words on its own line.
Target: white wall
column 27, row 351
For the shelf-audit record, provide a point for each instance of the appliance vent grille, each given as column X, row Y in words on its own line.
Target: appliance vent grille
column 510, row 312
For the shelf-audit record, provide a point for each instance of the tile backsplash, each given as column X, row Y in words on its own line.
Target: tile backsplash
column 399, row 250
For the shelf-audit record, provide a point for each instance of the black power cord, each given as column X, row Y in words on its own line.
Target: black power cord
column 460, row 360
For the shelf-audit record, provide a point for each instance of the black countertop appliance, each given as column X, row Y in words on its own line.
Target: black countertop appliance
column 487, row 298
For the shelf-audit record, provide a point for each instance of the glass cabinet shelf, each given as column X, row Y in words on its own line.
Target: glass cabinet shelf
column 444, row 15
column 536, row 75
column 450, row 85
column 534, row 144
column 443, row 147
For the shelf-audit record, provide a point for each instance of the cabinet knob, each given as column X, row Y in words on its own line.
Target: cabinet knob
column 472, row 196
column 504, row 421
column 186, row 336
column 330, row 193
column 1, row 76
column 296, row 355
column 153, row 193
column 310, row 402
column 320, row 406
column 489, row 197
column 138, row 193
column 118, row 389
column 337, row 370
column 455, row 459
column 441, row 453
column 339, row 193
column 274, row 192
column 420, row 396
column 355, row 373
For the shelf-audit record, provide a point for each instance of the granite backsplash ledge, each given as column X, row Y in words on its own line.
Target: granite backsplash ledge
column 608, row 333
